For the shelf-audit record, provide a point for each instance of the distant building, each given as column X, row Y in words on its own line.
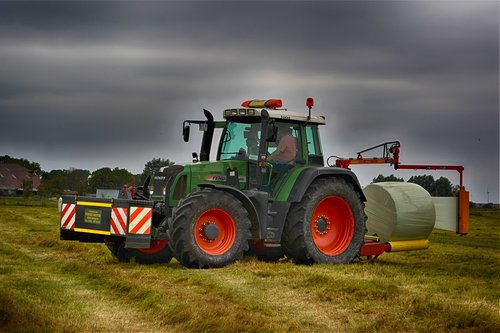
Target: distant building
column 12, row 177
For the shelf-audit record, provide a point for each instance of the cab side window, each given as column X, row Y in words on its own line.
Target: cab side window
column 315, row 153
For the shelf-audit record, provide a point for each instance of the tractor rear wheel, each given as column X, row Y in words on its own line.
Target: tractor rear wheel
column 327, row 226
column 159, row 252
column 210, row 228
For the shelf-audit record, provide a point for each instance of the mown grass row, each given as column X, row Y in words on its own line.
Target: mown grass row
column 51, row 285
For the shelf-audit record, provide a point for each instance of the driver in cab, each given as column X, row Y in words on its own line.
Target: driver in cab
column 287, row 147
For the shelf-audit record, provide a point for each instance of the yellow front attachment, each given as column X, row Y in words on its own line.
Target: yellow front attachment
column 92, row 231
column 411, row 245
column 94, row 204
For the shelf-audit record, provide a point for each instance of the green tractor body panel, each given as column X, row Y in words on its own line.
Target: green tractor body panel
column 196, row 174
column 283, row 191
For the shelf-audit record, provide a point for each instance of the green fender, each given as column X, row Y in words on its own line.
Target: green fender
column 247, row 204
column 308, row 175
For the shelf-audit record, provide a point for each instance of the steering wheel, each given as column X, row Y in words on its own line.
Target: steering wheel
column 242, row 153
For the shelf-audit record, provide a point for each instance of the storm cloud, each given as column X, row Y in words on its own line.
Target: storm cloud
column 93, row 84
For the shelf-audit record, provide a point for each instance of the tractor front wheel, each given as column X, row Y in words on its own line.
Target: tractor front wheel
column 327, row 226
column 210, row 228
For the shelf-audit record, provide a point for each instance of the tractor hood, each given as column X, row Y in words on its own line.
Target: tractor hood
column 176, row 181
column 215, row 172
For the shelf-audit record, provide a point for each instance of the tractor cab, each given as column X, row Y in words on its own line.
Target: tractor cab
column 274, row 142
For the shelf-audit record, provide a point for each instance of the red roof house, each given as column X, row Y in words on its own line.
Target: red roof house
column 12, row 177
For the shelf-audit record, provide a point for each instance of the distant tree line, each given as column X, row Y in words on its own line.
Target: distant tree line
column 441, row 187
column 79, row 181
column 56, row 182
column 154, row 166
column 32, row 166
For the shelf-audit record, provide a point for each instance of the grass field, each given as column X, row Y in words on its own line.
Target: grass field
column 50, row 285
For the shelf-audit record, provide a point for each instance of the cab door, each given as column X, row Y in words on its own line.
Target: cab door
column 284, row 156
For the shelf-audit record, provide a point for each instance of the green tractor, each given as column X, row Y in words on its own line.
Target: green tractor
column 267, row 193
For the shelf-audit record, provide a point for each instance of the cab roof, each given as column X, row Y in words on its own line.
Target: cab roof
column 274, row 114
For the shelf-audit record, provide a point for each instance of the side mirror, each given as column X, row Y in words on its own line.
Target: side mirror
column 185, row 132
column 272, row 133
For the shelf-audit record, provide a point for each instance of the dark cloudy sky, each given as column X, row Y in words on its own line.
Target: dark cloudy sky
column 98, row 84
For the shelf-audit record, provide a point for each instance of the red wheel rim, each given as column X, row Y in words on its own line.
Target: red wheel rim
column 226, row 231
column 332, row 225
column 156, row 246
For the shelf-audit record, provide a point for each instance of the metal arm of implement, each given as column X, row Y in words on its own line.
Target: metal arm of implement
column 390, row 156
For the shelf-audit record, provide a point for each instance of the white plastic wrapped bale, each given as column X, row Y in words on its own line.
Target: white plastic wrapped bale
column 399, row 211
column 446, row 213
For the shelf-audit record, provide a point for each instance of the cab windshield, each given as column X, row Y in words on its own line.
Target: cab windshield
column 240, row 141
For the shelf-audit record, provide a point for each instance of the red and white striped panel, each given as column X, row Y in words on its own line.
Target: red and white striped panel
column 68, row 216
column 118, row 221
column 140, row 220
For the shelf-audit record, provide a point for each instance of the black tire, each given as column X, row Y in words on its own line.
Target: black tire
column 159, row 253
column 194, row 245
column 267, row 254
column 337, row 232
